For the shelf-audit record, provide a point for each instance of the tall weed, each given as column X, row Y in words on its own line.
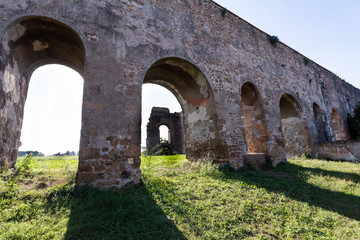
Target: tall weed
column 25, row 165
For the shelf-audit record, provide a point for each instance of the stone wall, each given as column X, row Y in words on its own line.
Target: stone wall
column 187, row 46
column 254, row 122
column 293, row 126
column 340, row 150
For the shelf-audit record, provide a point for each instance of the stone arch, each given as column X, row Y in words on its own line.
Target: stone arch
column 34, row 41
column 339, row 128
column 28, row 43
column 191, row 88
column 319, row 124
column 255, row 128
column 293, row 126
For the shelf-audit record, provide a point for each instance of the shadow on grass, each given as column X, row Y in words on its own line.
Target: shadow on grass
column 127, row 214
column 321, row 172
column 295, row 186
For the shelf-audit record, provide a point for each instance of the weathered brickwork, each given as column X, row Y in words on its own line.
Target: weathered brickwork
column 187, row 46
column 340, row 150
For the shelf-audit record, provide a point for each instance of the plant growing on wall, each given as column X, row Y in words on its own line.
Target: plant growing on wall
column 354, row 123
column 273, row 40
column 223, row 12
column 306, row 61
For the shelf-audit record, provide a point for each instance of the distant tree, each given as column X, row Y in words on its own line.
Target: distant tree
column 36, row 153
column 33, row 153
column 21, row 153
column 67, row 153
column 354, row 123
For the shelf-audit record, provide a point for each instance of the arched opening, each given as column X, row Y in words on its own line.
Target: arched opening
column 191, row 88
column 164, row 128
column 160, row 108
column 52, row 113
column 27, row 44
column 255, row 129
column 339, row 126
column 164, row 134
column 319, row 124
column 165, row 141
column 293, row 126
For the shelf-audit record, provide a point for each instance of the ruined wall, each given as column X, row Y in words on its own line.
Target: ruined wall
column 319, row 125
column 187, row 46
column 339, row 127
column 293, row 127
column 175, row 124
column 255, row 128
column 340, row 150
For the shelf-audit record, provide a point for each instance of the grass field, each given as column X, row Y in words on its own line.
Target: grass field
column 304, row 199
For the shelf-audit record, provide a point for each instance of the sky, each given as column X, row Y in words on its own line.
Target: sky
column 325, row 31
column 52, row 114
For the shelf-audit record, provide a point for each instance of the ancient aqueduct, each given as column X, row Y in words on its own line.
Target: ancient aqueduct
column 243, row 97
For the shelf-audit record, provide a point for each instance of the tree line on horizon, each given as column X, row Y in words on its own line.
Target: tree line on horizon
column 40, row 154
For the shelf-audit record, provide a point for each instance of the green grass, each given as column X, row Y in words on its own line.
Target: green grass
column 304, row 199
